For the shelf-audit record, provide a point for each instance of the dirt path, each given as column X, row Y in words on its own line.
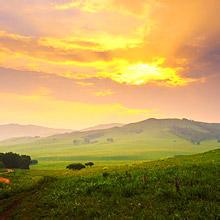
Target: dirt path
column 17, row 199
column 7, row 213
column 7, row 171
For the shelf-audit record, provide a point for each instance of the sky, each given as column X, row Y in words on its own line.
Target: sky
column 78, row 63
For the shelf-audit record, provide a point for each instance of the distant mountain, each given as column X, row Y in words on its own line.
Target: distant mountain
column 103, row 126
column 144, row 140
column 16, row 130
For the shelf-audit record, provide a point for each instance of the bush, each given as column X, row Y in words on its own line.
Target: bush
column 90, row 164
column 105, row 174
column 33, row 162
column 76, row 166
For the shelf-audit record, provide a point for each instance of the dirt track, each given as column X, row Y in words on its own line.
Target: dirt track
column 17, row 199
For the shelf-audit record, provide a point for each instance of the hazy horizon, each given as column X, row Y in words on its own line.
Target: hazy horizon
column 94, row 125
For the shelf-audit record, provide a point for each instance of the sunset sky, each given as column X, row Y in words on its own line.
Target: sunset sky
column 78, row 63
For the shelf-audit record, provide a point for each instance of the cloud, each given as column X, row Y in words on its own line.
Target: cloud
column 137, row 7
column 37, row 55
column 86, row 84
column 103, row 93
column 37, row 47
column 140, row 74
column 94, row 41
column 58, row 113
column 85, row 5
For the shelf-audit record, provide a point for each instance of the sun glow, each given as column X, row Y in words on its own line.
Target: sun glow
column 143, row 73
column 140, row 74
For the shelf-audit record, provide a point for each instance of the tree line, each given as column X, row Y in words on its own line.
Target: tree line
column 13, row 160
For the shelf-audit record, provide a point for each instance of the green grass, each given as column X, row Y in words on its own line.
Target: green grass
column 183, row 187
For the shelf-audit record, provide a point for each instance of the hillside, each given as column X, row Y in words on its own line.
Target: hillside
column 184, row 187
column 103, row 126
column 15, row 130
column 149, row 139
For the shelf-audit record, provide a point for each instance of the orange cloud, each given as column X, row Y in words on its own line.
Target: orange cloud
column 137, row 8
column 37, row 55
column 68, row 114
column 109, row 42
column 86, row 84
column 103, row 93
column 85, row 5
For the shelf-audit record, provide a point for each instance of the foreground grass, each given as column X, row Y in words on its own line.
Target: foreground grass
column 184, row 187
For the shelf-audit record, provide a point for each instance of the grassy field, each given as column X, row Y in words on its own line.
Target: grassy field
column 183, row 187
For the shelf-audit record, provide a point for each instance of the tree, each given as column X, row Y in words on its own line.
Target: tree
column 76, row 166
column 1, row 155
column 89, row 164
column 110, row 140
column 24, row 162
column 13, row 160
column 1, row 164
column 75, row 142
column 86, row 140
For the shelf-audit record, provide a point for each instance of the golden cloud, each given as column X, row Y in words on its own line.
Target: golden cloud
column 67, row 114
column 85, row 5
column 120, row 71
column 143, row 73
column 103, row 93
column 137, row 7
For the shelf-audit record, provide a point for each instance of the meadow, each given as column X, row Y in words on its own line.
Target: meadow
column 182, row 187
column 139, row 147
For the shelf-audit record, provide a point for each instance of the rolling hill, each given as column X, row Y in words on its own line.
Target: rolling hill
column 145, row 140
column 103, row 126
column 15, row 130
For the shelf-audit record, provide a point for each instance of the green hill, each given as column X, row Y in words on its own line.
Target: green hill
column 145, row 140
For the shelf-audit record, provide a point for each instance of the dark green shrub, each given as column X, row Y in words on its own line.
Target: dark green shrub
column 90, row 164
column 105, row 174
column 76, row 166
column 33, row 162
